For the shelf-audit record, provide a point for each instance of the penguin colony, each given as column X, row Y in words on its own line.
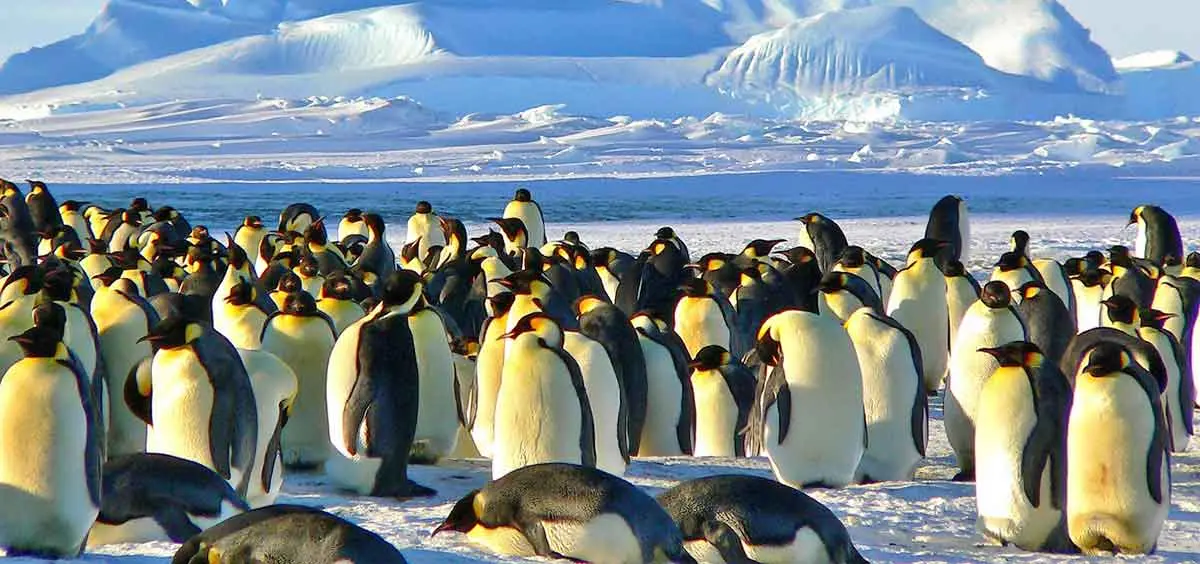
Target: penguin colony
column 158, row 382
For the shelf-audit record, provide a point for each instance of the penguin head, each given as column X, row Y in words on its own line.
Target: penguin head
column 760, row 248
column 375, row 225
column 1030, row 290
column 1016, row 354
column 241, row 294
column 238, row 259
column 110, row 275
column 289, row 282
column 926, row 249
column 173, row 332
column 168, row 214
column 26, row 280
column 1012, row 260
column 513, row 228
column 501, row 303
column 252, row 222
column 751, row 275
column 131, row 217
column 308, row 267
column 353, row 215
column 1135, row 215
column 522, row 195
column 316, row 234
column 1193, row 260
column 36, row 187
column 711, row 357
column 423, row 207
column 767, row 347
column 800, row 256
column 995, row 295
column 1105, row 359
column 572, row 237
column 11, row 190
column 812, row 218
column 409, row 252
column 696, row 288
column 402, row 289
column 300, row 303
column 711, row 262
column 586, row 304
column 491, row 239
column 464, row 516
column 70, row 206
column 1120, row 256
column 1019, row 243
column 139, row 205
column 954, row 269
column 465, row 346
column 527, row 282
column 540, row 324
column 1153, row 317
column 853, row 257
column 1121, row 309
column 338, row 286
column 58, row 284
column 665, row 232
column 44, row 339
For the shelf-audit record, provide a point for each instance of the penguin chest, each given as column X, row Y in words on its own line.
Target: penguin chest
column 605, row 539
column 1087, row 305
column 506, row 541
column 538, row 417
column 604, row 396
column 665, row 392
column 1005, row 418
column 700, row 322
column 341, row 375
column 1170, row 396
column 242, row 325
column 78, row 338
column 181, row 405
column 806, row 546
column 488, row 370
column 969, row 368
column 716, row 415
column 609, row 281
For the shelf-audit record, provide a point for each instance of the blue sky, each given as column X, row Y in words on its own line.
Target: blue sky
column 1121, row 26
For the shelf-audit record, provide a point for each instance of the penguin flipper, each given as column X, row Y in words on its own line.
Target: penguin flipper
column 741, row 384
column 174, row 521
column 93, row 450
column 233, row 422
column 271, row 457
column 685, row 429
column 1160, row 450
column 727, row 542
column 1187, row 393
column 139, row 376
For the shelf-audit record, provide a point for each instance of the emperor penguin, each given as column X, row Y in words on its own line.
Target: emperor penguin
column 43, row 209
column 516, row 236
column 240, row 317
column 542, row 413
column 309, row 272
column 297, row 217
column 918, row 302
column 1049, row 323
column 329, row 257
column 802, row 277
column 1021, row 450
column 723, row 389
column 1179, row 397
column 50, row 446
column 337, row 302
column 854, row 261
column 287, row 533
column 122, row 316
column 611, row 265
column 126, row 233
column 653, row 281
column 274, row 385
column 567, row 511
column 425, row 229
column 1119, row 475
column 1090, row 288
column 524, row 208
column 894, row 399
column 610, row 416
column 1015, row 269
column 1178, row 296
column 811, row 438
column 962, row 290
column 250, row 234
column 668, row 431
column 1055, row 277
column 437, row 418
column 823, row 237
column 200, row 400
column 71, row 213
column 703, row 316
column 351, row 224
column 1157, row 234
column 465, row 351
column 843, row 293
column 1129, row 278
column 158, row 497
column 372, row 394
column 377, row 260
column 609, row 326
column 950, row 222
column 990, row 322
column 489, row 365
column 742, row 518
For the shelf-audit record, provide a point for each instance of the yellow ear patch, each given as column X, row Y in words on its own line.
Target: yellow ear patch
column 588, row 304
column 715, row 264
column 192, row 332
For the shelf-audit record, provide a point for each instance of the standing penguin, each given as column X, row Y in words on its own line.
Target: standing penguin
column 843, row 293
column 351, row 224
column 1048, row 321
column 894, row 397
column 543, row 413
column 705, row 317
column 337, row 302
column 918, row 302
column 609, row 326
column 240, row 317
column 302, row 337
column 43, row 209
column 274, row 385
column 297, row 217
column 723, row 389
column 1179, row 396
column 425, row 229
column 46, row 404
column 250, row 234
column 377, row 260
column 489, row 366
column 738, row 518
column 962, row 291
column 567, row 511
column 437, row 419
column 1055, row 277
column 1021, row 450
column 201, row 404
column 1119, row 476
column 1089, row 287
column 823, row 237
column 667, row 431
column 372, row 396
column 122, row 317
column 813, row 438
column 524, row 208
column 1157, row 234
column 991, row 322
column 949, row 222
column 610, row 417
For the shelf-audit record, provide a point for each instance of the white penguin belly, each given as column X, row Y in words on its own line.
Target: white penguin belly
column 1052, row 274
column 489, row 366
column 182, row 408
column 43, row 440
column 806, row 547
column 120, row 324
column 703, row 551
column 665, row 392
column 437, row 417
column 1087, row 305
column 604, row 395
column 716, row 415
column 1110, row 426
column 960, row 294
column 700, row 322
column 605, row 539
column 242, row 325
column 531, row 216
column 890, row 388
column 918, row 302
column 537, row 412
column 273, row 382
column 609, row 281
column 1170, row 396
column 969, row 369
column 304, row 344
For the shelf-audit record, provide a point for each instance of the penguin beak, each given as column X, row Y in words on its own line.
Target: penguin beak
column 994, row 352
column 152, row 338
column 446, row 526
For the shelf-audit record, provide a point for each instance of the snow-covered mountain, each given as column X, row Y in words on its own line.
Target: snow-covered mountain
column 651, row 58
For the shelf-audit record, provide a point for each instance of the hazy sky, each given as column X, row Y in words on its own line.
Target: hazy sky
column 1121, row 26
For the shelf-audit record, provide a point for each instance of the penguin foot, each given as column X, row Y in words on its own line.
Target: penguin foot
column 817, row 485
column 964, row 476
column 414, row 490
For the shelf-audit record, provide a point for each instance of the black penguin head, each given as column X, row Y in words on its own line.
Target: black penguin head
column 289, row 282
column 761, row 247
column 603, row 256
column 173, row 332
column 58, row 284
column 751, row 275
column 465, row 346
column 252, row 222
column 374, row 223
column 711, row 262
column 36, row 187
column 812, row 218
column 131, row 217
column 1106, row 358
column 1193, row 260
column 300, row 303
column 696, row 288
column 424, row 207
column 800, row 256
column 572, row 237
column 526, row 282
column 308, row 267
column 711, row 357
column 853, row 257
column 1031, row 290
column 665, row 232
column 1016, row 354
column 995, row 295
column 586, row 304
column 110, row 275
column 139, row 205
column 1095, row 259
column 71, row 206
column 511, row 226
column 1074, row 266
column 1120, row 256
column 28, row 279
column 501, row 303
column 315, row 233
column 539, row 323
column 401, row 288
column 1011, row 260
column 353, row 215
column 1121, row 309
column 1153, row 317
column 834, row 282
column 338, row 286
column 1020, row 242
column 489, row 239
column 464, row 516
column 43, row 339
column 237, row 255
column 200, row 233
column 954, row 269
column 522, row 195
column 241, row 294
column 926, row 249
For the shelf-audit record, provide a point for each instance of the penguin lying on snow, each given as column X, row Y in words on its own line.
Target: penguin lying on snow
column 567, row 511
column 751, row 519
column 287, row 534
